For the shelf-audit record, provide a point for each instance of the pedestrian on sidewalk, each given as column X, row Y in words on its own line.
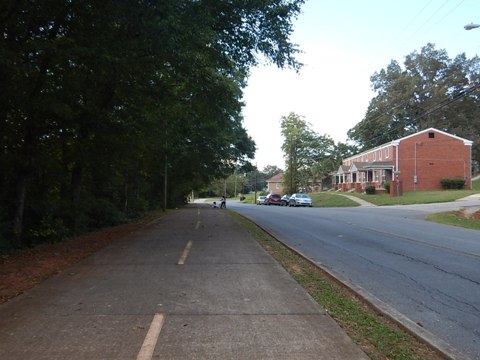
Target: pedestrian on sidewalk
column 223, row 203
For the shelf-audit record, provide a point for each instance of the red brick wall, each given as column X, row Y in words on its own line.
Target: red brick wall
column 432, row 159
column 275, row 187
column 385, row 153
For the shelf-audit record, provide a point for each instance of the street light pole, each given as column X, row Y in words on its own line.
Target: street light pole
column 255, row 185
column 471, row 26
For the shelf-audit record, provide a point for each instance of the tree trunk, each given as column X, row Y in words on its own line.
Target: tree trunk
column 76, row 190
column 19, row 211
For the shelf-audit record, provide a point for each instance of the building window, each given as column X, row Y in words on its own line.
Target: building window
column 387, row 152
column 431, row 135
column 374, row 156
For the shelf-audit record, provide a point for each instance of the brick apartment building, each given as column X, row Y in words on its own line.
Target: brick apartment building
column 415, row 162
column 275, row 184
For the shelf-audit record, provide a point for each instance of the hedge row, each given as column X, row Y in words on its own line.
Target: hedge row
column 452, row 183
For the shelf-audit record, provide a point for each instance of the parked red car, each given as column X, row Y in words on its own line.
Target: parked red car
column 273, row 199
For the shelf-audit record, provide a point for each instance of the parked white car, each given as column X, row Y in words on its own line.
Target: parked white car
column 300, row 200
column 261, row 200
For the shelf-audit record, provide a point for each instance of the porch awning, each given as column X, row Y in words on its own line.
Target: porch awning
column 343, row 169
column 380, row 165
column 359, row 166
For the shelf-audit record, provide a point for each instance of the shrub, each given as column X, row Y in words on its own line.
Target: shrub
column 446, row 183
column 103, row 213
column 370, row 190
column 386, row 186
column 452, row 183
column 50, row 229
column 458, row 183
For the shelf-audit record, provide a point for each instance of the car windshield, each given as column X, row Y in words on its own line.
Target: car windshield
column 302, row 196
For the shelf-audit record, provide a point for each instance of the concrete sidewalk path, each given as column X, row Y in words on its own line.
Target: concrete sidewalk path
column 191, row 285
column 356, row 199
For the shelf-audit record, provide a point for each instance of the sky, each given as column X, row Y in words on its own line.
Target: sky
column 343, row 43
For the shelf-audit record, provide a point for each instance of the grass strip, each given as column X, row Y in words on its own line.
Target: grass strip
column 326, row 199
column 418, row 197
column 455, row 218
column 378, row 337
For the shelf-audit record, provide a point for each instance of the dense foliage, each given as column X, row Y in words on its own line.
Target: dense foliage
column 109, row 108
column 309, row 157
column 242, row 181
column 430, row 90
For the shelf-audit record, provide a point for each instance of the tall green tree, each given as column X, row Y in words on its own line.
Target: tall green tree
column 430, row 90
column 111, row 102
column 271, row 170
column 309, row 157
column 300, row 148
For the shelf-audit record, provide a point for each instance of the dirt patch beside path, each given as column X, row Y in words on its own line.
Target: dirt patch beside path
column 22, row 269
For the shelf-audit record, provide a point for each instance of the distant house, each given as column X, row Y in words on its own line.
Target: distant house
column 415, row 162
column 275, row 184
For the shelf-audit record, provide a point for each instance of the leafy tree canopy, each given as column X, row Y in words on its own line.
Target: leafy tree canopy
column 309, row 157
column 109, row 103
column 429, row 90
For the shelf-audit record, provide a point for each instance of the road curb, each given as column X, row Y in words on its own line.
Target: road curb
column 438, row 345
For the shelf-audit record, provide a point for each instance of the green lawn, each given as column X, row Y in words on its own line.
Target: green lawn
column 476, row 185
column 328, row 199
column 331, row 199
column 323, row 199
column 419, row 197
column 456, row 219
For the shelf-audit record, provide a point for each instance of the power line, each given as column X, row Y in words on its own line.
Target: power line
column 393, row 41
column 418, row 32
column 447, row 14
column 412, row 21
column 414, row 34
column 427, row 112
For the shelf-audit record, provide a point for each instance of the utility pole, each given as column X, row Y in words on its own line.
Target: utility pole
column 235, row 183
column 255, row 185
column 165, row 189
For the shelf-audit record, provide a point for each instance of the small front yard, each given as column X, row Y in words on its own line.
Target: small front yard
column 328, row 199
column 417, row 197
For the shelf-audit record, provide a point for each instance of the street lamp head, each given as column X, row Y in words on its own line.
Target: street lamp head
column 471, row 26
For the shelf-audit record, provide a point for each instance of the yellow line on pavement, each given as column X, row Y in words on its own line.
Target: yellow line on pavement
column 185, row 253
column 146, row 352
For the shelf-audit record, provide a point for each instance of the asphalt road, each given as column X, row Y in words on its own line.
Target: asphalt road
column 429, row 273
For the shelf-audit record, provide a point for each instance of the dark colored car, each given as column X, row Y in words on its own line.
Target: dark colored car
column 273, row 199
column 284, row 200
